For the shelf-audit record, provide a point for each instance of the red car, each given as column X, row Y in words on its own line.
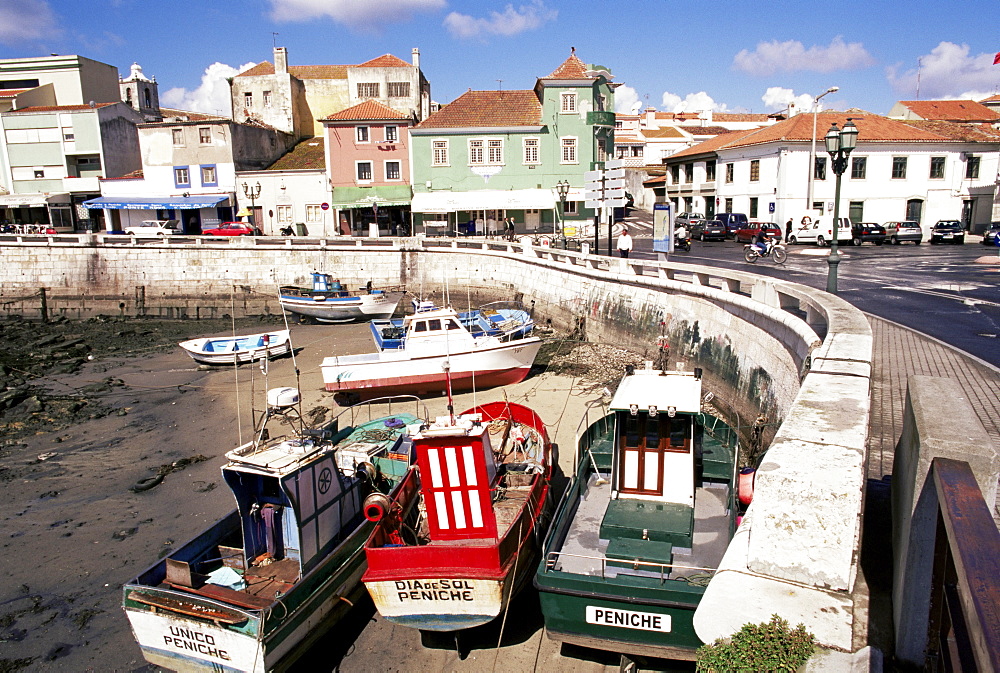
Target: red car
column 232, row 229
column 748, row 234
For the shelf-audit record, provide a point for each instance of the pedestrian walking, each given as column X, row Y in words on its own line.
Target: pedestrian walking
column 624, row 243
column 788, row 229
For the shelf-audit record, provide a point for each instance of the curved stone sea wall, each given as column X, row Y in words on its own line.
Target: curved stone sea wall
column 799, row 356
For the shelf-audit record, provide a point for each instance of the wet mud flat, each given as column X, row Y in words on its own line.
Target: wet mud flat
column 111, row 444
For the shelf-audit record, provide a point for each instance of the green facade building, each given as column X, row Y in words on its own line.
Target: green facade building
column 491, row 155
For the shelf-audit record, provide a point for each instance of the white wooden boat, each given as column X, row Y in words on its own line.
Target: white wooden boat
column 329, row 301
column 247, row 348
column 437, row 349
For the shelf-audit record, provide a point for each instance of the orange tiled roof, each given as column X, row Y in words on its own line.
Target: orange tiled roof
column 706, row 130
column 977, row 133
column 739, row 117
column 300, row 71
column 384, row 61
column 951, row 110
column 571, row 68
column 992, row 99
column 712, row 144
column 309, row 154
column 663, row 132
column 191, row 116
column 488, row 109
column 62, row 108
column 369, row 109
column 10, row 93
column 628, row 139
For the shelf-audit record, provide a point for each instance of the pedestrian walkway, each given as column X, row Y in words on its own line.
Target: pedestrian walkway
column 900, row 352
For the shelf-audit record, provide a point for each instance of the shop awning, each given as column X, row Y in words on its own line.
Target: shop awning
column 152, row 203
column 488, row 199
column 364, row 197
column 31, row 200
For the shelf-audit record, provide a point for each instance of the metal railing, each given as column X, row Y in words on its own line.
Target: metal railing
column 964, row 623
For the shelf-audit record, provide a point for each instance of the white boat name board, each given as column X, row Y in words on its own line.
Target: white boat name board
column 628, row 619
column 435, row 590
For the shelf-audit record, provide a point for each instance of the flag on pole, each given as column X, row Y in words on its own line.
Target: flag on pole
column 996, row 59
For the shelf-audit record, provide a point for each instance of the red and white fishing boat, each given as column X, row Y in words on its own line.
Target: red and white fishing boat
column 461, row 535
column 436, row 347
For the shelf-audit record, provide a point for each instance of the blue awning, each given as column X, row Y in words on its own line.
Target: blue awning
column 164, row 202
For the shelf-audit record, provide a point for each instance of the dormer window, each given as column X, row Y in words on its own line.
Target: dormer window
column 568, row 99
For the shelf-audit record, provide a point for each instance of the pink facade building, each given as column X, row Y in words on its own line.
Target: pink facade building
column 367, row 158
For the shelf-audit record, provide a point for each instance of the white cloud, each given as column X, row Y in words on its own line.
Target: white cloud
column 506, row 23
column 693, row 102
column 791, row 56
column 779, row 98
column 26, row 20
column 627, row 100
column 948, row 72
column 356, row 13
column 211, row 97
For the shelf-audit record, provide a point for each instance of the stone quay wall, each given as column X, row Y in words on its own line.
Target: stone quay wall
column 798, row 356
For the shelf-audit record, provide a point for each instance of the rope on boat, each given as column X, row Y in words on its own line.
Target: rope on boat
column 375, row 435
column 697, row 579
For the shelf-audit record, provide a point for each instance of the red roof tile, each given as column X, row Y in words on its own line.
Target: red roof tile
column 367, row 110
column 62, row 108
column 300, row 71
column 712, row 144
column 977, row 133
column 571, row 68
column 384, row 61
column 992, row 99
column 488, row 109
column 310, row 154
column 951, row 110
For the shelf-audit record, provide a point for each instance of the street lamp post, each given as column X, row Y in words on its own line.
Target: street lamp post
column 839, row 143
column 562, row 187
column 812, row 150
column 252, row 192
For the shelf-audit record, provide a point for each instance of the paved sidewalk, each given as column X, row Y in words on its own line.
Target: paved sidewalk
column 900, row 352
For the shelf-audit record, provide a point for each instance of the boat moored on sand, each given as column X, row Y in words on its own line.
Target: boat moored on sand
column 505, row 320
column 238, row 349
column 643, row 523
column 258, row 587
column 329, row 301
column 460, row 537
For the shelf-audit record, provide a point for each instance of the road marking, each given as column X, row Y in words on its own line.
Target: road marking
column 944, row 295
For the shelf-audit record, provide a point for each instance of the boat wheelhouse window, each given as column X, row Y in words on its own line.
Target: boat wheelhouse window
column 452, row 324
column 421, row 326
column 678, row 432
column 632, row 431
column 653, row 433
column 435, row 324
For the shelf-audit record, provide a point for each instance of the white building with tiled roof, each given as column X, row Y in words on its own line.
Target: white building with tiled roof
column 918, row 170
column 296, row 99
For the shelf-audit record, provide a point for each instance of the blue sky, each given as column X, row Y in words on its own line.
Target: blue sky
column 732, row 55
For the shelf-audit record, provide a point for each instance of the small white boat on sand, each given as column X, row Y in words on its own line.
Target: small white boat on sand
column 437, row 351
column 239, row 349
column 329, row 301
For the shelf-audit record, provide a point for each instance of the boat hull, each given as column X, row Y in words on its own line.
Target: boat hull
column 263, row 640
column 227, row 350
column 393, row 372
column 342, row 309
column 439, row 604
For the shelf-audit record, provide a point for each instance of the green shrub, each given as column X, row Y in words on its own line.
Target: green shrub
column 770, row 646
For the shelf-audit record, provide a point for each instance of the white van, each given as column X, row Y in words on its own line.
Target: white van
column 819, row 230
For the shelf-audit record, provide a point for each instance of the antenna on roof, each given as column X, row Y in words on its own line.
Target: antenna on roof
column 500, row 82
column 274, row 40
column 920, row 63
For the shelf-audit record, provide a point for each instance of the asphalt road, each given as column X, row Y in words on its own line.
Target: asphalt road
column 944, row 291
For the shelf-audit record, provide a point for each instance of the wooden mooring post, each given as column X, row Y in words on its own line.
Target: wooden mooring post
column 45, row 305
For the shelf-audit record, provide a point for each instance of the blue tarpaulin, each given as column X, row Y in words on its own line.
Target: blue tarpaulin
column 152, row 203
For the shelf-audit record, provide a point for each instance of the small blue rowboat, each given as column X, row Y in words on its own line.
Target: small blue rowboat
column 227, row 350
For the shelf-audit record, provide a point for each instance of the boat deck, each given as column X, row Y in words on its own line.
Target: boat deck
column 584, row 552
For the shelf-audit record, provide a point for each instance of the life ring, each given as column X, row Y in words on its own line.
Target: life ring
column 147, row 483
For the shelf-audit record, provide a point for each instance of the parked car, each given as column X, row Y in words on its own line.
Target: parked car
column 689, row 220
column 732, row 222
column 708, row 230
column 902, row 231
column 992, row 234
column 232, row 229
column 152, row 228
column 867, row 232
column 750, row 232
column 820, row 231
column 947, row 231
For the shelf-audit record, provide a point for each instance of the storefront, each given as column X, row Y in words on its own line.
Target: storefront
column 193, row 212
column 54, row 210
column 360, row 208
column 482, row 212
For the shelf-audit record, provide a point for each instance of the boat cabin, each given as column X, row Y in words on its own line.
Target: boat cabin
column 438, row 331
column 458, row 474
column 653, row 469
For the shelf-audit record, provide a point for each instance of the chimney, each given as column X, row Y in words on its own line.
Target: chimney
column 280, row 61
column 416, row 58
column 650, row 117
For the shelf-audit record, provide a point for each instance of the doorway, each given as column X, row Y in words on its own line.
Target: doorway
column 914, row 209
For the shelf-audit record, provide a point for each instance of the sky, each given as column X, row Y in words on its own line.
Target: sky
column 672, row 55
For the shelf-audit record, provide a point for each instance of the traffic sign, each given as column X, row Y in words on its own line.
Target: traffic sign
column 615, row 173
column 593, row 176
column 325, row 206
column 614, row 184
